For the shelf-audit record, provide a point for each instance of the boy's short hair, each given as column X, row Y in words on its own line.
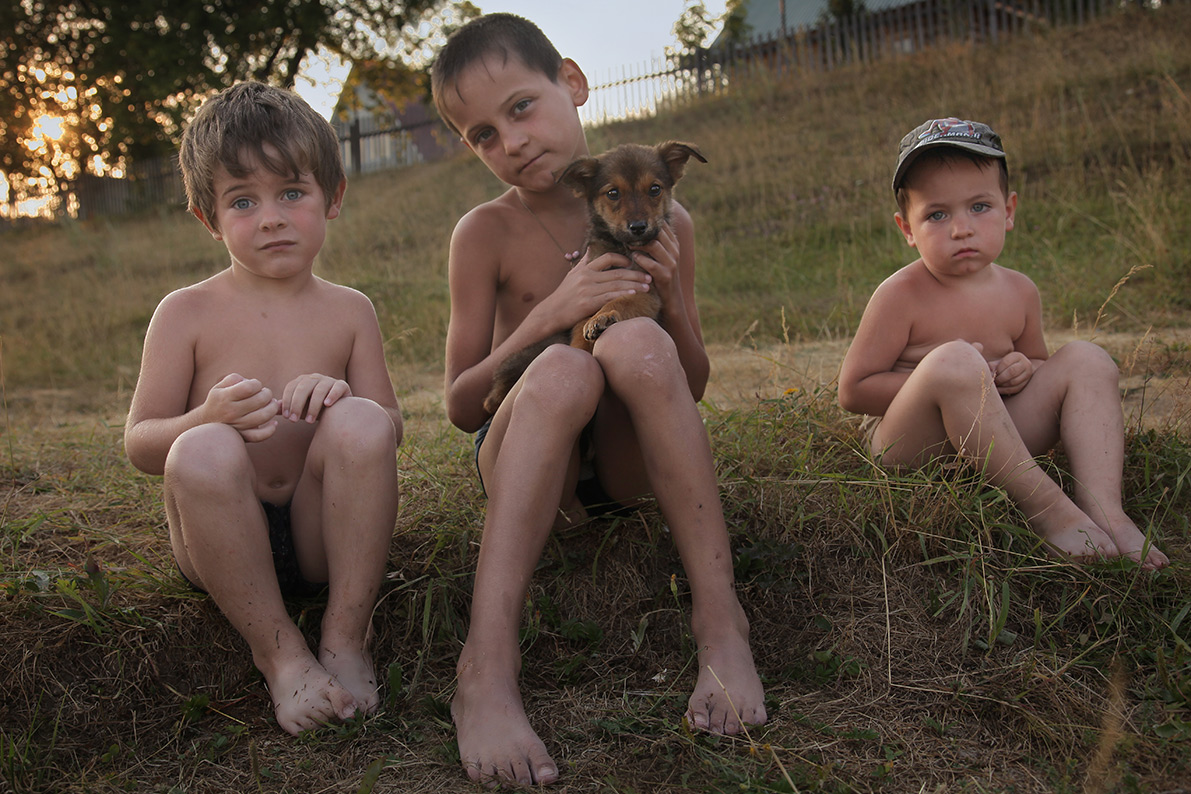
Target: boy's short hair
column 503, row 34
column 948, row 140
column 232, row 128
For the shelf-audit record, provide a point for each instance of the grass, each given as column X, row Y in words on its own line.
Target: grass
column 910, row 634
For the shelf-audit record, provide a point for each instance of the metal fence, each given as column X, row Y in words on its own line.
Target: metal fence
column 896, row 29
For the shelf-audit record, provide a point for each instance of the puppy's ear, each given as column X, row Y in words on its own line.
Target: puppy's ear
column 675, row 154
column 578, row 175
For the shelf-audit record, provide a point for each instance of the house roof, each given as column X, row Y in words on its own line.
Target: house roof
column 763, row 18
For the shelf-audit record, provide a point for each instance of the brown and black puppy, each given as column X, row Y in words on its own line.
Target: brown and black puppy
column 629, row 192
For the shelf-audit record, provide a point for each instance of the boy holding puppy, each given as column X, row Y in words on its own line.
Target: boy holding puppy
column 578, row 428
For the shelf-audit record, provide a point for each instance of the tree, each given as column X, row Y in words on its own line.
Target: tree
column 122, row 75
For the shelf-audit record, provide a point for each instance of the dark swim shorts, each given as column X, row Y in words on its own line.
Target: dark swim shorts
column 285, row 557
column 591, row 493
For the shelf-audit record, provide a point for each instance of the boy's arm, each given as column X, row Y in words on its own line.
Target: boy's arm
column 1012, row 372
column 367, row 370
column 867, row 382
column 158, row 412
column 671, row 264
column 472, row 275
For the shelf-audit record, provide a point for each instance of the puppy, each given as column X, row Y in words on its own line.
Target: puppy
column 629, row 192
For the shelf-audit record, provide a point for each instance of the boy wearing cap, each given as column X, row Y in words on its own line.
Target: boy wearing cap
column 949, row 356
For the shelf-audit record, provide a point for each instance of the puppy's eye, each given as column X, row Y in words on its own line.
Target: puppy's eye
column 655, row 191
column 613, row 194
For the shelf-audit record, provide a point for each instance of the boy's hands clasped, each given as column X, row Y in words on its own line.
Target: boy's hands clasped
column 591, row 283
column 306, row 395
column 1011, row 373
column 245, row 404
column 250, row 407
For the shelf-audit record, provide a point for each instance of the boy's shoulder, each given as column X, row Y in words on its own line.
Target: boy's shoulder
column 906, row 280
column 494, row 217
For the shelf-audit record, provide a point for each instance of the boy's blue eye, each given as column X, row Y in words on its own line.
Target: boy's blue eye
column 936, row 216
column 979, row 206
column 241, row 204
column 293, row 194
column 481, row 136
column 521, row 106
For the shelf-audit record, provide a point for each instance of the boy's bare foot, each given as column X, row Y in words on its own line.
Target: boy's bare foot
column 306, row 696
column 354, row 670
column 496, row 743
column 1079, row 543
column 728, row 694
column 1131, row 542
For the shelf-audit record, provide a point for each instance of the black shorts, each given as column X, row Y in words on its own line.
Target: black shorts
column 285, row 558
column 591, row 493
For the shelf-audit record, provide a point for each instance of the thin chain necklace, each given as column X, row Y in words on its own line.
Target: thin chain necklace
column 549, row 234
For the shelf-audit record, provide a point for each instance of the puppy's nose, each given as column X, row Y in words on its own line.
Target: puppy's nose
column 638, row 228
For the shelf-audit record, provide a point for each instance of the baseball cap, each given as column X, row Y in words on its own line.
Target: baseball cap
column 970, row 135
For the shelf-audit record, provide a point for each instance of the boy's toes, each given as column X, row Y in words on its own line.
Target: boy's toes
column 1154, row 560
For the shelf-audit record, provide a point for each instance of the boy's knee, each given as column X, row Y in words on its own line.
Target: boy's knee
column 358, row 426
column 1087, row 359
column 208, row 456
column 954, row 366
column 638, row 349
column 562, row 377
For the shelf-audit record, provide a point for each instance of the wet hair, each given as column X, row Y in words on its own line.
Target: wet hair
column 948, row 155
column 232, row 129
column 503, row 35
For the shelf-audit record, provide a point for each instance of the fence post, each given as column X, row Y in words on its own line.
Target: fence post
column 354, row 146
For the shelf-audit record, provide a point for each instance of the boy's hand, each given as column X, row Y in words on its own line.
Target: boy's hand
column 659, row 258
column 245, row 404
column 306, row 395
column 591, row 283
column 1011, row 373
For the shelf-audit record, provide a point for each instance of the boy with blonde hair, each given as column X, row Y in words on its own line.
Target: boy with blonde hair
column 264, row 400
column 579, row 428
column 950, row 358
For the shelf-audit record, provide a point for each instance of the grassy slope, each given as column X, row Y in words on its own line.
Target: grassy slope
column 910, row 636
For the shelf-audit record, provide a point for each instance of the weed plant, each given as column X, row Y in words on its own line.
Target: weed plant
column 911, row 634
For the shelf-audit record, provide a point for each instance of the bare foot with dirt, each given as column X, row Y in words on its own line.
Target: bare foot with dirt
column 354, row 670
column 306, row 696
column 728, row 695
column 496, row 743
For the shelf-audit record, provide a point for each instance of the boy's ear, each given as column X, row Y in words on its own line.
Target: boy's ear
column 210, row 227
column 1010, row 210
column 904, row 226
column 571, row 76
column 336, row 205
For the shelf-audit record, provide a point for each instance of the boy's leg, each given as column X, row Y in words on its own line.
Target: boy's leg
column 524, row 463
column 1080, row 385
column 949, row 403
column 220, row 540
column 344, row 510
column 653, row 435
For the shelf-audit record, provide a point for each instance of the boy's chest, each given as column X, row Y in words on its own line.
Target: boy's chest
column 995, row 319
column 525, row 284
column 273, row 348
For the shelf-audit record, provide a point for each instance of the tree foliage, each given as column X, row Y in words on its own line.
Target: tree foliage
column 122, row 75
